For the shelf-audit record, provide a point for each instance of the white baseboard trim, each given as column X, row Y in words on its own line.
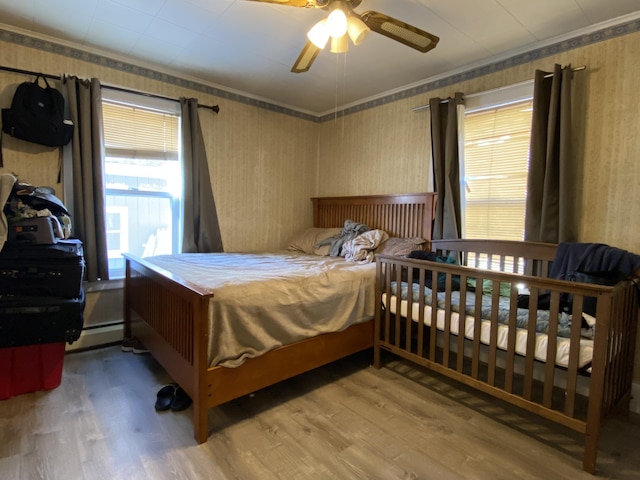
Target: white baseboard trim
column 95, row 337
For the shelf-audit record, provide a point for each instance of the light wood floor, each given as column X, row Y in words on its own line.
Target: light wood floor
column 343, row 421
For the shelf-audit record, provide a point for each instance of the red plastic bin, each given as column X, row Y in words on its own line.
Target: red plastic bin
column 30, row 368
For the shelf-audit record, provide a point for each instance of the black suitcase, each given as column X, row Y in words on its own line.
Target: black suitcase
column 39, row 320
column 54, row 270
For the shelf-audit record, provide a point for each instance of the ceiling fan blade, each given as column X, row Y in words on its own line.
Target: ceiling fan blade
column 305, row 59
column 399, row 31
column 290, row 3
column 307, row 3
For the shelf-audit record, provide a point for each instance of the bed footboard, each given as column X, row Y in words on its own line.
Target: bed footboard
column 471, row 322
column 170, row 317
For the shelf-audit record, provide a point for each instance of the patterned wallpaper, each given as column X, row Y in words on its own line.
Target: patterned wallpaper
column 385, row 150
column 263, row 161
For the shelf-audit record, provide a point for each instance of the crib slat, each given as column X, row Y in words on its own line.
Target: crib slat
column 552, row 344
column 475, row 356
column 396, row 326
column 516, row 264
column 379, row 285
column 421, row 319
column 461, row 324
column 433, row 332
column 572, row 367
column 511, row 340
column 527, row 388
column 447, row 323
column 493, row 334
column 409, row 317
column 387, row 311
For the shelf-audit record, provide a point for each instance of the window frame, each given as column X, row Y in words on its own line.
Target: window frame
column 488, row 100
column 159, row 105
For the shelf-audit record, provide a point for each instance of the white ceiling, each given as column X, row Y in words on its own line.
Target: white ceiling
column 249, row 47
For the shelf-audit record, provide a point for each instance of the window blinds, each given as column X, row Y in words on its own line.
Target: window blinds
column 137, row 133
column 496, row 158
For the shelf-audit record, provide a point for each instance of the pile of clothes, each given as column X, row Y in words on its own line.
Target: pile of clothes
column 22, row 201
column 350, row 230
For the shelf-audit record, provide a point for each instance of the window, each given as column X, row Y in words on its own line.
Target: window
column 142, row 176
column 497, row 130
column 117, row 219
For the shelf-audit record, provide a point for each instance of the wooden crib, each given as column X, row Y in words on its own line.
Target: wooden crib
column 558, row 374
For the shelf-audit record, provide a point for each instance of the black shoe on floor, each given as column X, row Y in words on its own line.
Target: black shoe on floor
column 166, row 397
column 181, row 400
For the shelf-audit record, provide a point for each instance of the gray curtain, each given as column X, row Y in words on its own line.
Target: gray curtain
column 446, row 166
column 88, row 204
column 551, row 192
column 201, row 230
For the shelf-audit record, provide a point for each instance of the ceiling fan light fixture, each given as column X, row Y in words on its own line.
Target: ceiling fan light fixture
column 343, row 23
column 357, row 30
column 337, row 23
column 319, row 34
column 340, row 44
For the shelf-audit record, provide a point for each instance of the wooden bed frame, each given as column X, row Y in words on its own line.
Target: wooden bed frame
column 170, row 316
column 504, row 374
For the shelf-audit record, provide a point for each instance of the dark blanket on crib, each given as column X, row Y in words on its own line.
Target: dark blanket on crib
column 596, row 259
column 595, row 263
column 522, row 318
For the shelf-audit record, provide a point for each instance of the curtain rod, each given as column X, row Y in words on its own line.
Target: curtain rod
column 215, row 108
column 424, row 107
column 446, row 100
column 577, row 69
column 29, row 72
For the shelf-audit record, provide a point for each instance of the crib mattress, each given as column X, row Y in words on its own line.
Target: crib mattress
column 541, row 344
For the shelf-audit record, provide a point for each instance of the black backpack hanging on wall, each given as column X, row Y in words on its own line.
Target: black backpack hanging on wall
column 37, row 115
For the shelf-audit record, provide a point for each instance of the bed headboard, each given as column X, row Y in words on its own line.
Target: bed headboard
column 409, row 215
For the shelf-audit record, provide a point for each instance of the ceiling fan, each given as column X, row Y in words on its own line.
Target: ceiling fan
column 343, row 23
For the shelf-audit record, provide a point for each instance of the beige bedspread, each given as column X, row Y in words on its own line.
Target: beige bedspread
column 263, row 301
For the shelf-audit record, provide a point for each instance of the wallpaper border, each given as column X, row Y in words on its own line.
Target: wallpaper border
column 96, row 59
column 549, row 50
column 553, row 49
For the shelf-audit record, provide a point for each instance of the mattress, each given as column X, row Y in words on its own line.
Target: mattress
column 541, row 343
column 262, row 301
